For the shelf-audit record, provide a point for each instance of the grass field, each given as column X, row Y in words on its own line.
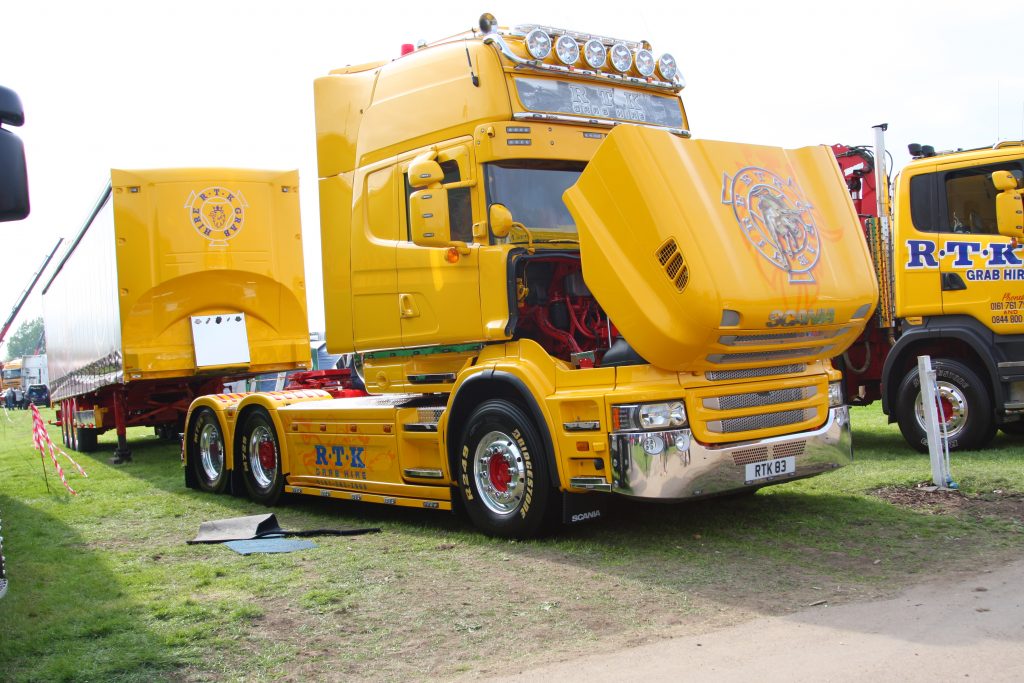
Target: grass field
column 103, row 586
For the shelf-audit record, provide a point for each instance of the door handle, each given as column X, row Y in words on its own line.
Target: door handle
column 952, row 282
column 407, row 307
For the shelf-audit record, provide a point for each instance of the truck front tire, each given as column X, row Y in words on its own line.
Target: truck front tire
column 261, row 458
column 965, row 405
column 206, row 451
column 503, row 472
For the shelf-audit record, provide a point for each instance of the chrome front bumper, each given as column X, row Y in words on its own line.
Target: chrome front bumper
column 671, row 465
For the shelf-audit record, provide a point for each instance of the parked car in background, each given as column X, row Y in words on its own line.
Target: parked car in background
column 38, row 394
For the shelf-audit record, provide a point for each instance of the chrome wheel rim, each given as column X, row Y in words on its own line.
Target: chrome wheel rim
column 211, row 451
column 954, row 409
column 499, row 469
column 261, row 449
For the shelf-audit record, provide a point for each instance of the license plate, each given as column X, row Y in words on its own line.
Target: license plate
column 771, row 468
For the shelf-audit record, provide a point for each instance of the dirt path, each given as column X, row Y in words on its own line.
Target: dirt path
column 963, row 629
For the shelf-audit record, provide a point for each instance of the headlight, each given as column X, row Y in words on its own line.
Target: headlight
column 567, row 50
column 835, row 394
column 595, row 53
column 645, row 63
column 667, row 67
column 649, row 416
column 622, row 58
column 538, row 43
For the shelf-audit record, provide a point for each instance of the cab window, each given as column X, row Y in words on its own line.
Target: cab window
column 970, row 199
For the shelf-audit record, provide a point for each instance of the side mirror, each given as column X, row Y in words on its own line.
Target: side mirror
column 13, row 173
column 428, row 217
column 501, row 220
column 1009, row 207
column 424, row 171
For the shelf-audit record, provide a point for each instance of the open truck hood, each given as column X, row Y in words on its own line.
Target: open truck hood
column 713, row 255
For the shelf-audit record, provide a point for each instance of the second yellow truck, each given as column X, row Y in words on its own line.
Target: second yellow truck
column 553, row 292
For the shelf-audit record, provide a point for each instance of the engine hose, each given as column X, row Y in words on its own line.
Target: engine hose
column 867, row 360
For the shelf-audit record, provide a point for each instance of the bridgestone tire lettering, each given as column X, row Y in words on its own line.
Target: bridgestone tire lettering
column 520, row 499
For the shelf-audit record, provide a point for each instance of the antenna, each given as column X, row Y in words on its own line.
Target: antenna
column 998, row 85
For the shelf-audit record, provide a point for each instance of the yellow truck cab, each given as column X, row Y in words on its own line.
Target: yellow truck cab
column 10, row 375
column 951, row 269
column 552, row 292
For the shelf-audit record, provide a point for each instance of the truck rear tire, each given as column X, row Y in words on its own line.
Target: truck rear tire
column 503, row 472
column 965, row 405
column 261, row 458
column 206, row 453
column 86, row 439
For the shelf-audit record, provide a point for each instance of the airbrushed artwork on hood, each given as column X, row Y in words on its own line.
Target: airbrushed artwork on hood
column 776, row 218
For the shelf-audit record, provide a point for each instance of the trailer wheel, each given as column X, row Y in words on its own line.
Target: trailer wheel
column 261, row 458
column 86, row 439
column 966, row 407
column 206, row 452
column 503, row 472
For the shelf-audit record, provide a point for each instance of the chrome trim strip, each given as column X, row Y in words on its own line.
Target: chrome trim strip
column 422, row 473
column 582, row 426
column 707, row 469
column 604, row 123
column 590, row 483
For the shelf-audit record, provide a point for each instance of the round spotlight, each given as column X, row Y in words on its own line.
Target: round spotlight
column 487, row 22
column 567, row 50
column 622, row 58
column 667, row 67
column 538, row 43
column 595, row 53
column 645, row 63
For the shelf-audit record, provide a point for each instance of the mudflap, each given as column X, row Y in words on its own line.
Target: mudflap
column 583, row 507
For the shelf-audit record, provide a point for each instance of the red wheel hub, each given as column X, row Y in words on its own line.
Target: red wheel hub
column 499, row 472
column 267, row 455
column 947, row 408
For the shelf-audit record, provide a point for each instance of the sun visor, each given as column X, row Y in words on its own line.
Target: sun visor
column 686, row 242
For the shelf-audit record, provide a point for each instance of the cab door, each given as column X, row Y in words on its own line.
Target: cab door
column 376, row 230
column 439, row 288
column 978, row 267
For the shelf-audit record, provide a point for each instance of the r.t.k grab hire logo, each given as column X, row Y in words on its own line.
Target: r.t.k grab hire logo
column 776, row 219
column 217, row 213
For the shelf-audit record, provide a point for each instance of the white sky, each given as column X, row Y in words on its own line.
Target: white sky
column 148, row 84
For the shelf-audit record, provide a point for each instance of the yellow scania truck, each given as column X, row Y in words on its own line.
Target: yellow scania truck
column 552, row 292
column 951, row 273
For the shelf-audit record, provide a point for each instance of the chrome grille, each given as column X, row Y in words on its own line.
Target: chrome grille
column 747, row 373
column 429, row 415
column 766, row 355
column 745, row 456
column 757, row 422
column 777, row 337
column 759, row 398
column 781, row 450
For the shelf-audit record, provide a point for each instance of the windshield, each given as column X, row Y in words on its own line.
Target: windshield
column 532, row 191
column 12, row 374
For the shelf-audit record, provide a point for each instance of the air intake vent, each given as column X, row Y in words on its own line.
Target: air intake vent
column 757, row 422
column 723, row 375
column 674, row 265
